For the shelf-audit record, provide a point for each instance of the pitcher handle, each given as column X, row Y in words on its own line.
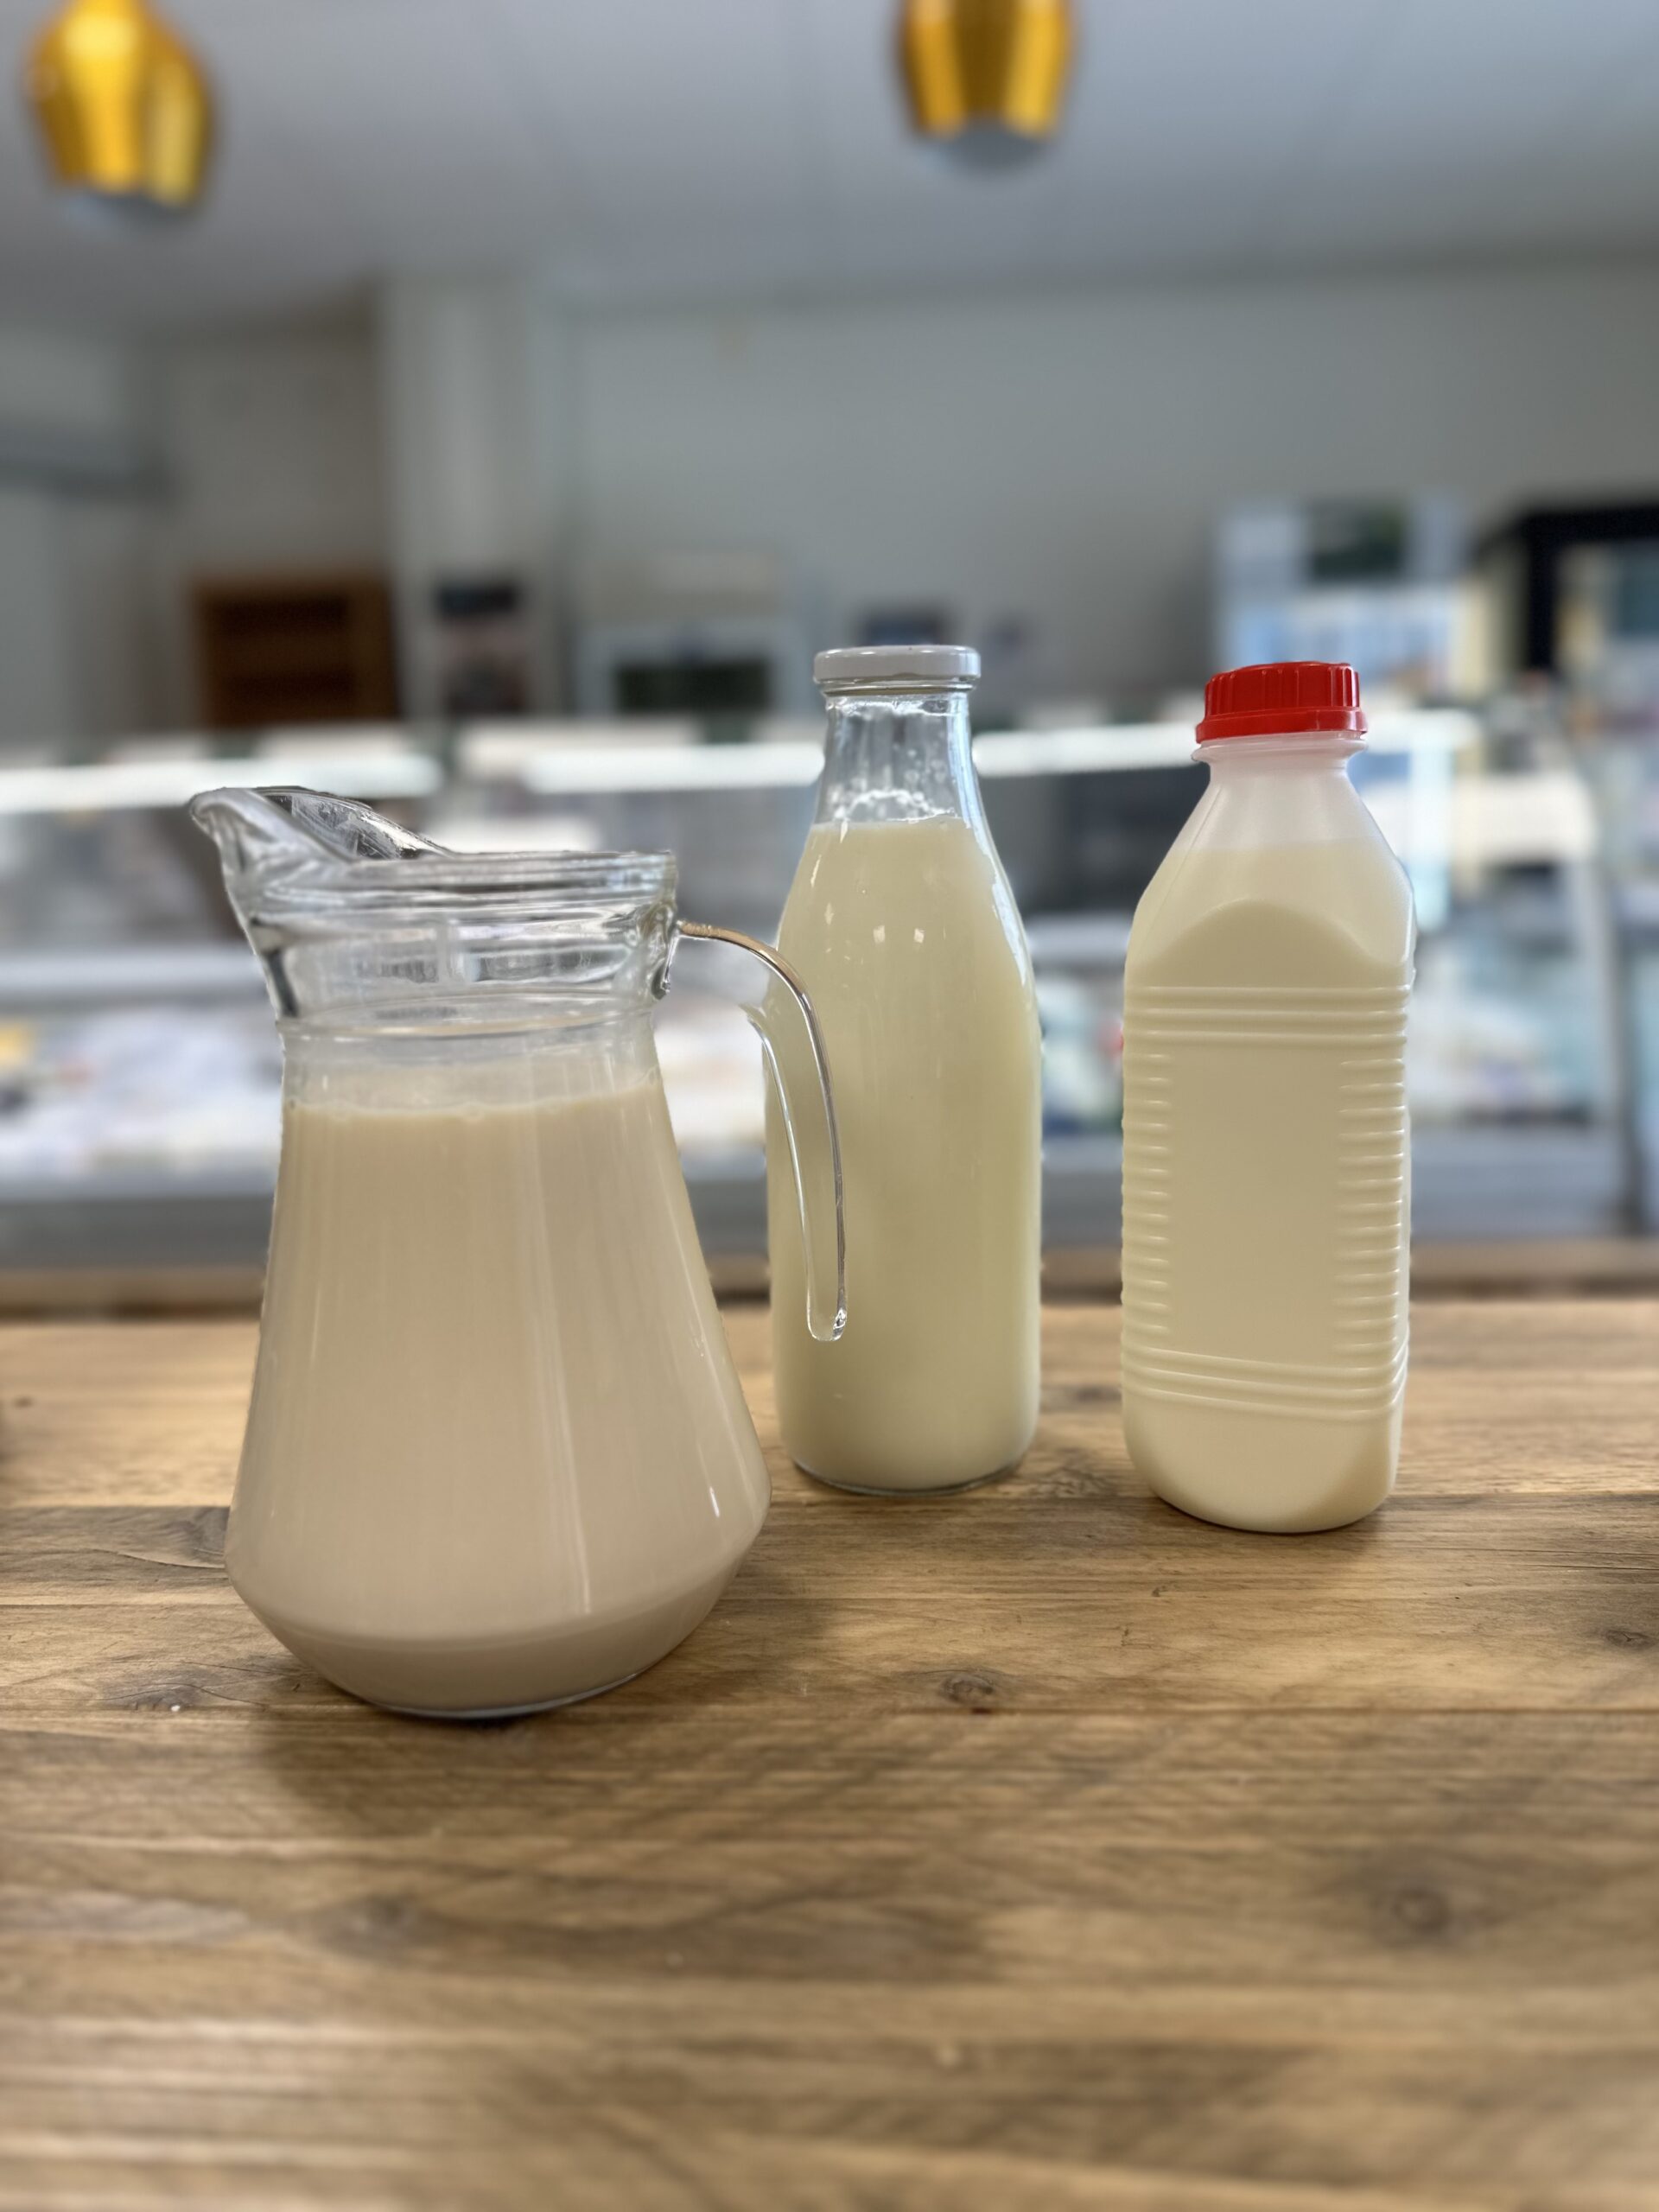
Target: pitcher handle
column 783, row 1020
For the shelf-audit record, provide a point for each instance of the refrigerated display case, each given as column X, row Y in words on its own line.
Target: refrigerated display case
column 139, row 1067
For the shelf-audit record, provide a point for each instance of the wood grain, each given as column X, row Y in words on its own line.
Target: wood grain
column 1033, row 1848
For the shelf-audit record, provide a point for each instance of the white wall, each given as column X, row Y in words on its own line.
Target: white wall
column 271, row 447
column 71, row 654
column 72, row 383
column 36, row 680
column 272, row 441
column 475, row 467
column 1064, row 457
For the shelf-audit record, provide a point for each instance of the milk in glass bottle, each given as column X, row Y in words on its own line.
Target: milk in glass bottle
column 902, row 925
column 1266, row 1159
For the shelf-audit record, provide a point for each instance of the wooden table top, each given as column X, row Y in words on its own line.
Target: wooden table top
column 1031, row 1848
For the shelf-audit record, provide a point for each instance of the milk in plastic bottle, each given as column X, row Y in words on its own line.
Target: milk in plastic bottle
column 1266, row 1143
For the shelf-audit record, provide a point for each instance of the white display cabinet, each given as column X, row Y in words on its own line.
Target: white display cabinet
column 138, row 1065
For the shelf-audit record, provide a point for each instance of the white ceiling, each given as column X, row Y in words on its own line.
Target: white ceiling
column 639, row 149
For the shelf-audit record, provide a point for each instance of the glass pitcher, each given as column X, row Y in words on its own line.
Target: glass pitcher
column 497, row 1454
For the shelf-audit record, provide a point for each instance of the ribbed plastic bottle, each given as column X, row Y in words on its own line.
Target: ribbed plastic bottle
column 1267, row 1178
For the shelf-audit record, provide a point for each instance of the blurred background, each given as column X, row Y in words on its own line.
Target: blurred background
column 486, row 407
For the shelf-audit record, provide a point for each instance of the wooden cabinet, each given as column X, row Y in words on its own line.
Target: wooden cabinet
column 294, row 649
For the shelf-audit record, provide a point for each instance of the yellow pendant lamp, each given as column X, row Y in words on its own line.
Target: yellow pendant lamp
column 123, row 108
column 987, row 78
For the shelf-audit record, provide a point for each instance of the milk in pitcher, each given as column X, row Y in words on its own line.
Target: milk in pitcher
column 1266, row 1148
column 496, row 1456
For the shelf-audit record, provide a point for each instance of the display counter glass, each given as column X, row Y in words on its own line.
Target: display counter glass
column 139, row 1065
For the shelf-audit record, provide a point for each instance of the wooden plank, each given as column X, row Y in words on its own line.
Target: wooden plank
column 1038, row 1847
column 629, row 2157
column 141, row 1412
column 1315, row 1954
column 1047, row 1603
column 151, row 1413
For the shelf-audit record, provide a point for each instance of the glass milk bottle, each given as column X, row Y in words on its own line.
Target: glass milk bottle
column 903, row 928
column 1265, row 1147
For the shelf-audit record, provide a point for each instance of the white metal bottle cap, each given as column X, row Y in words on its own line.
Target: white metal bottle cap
column 846, row 664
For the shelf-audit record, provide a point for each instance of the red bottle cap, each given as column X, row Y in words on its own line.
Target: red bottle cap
column 1281, row 695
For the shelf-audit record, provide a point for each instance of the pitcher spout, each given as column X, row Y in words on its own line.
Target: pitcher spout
column 281, row 830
